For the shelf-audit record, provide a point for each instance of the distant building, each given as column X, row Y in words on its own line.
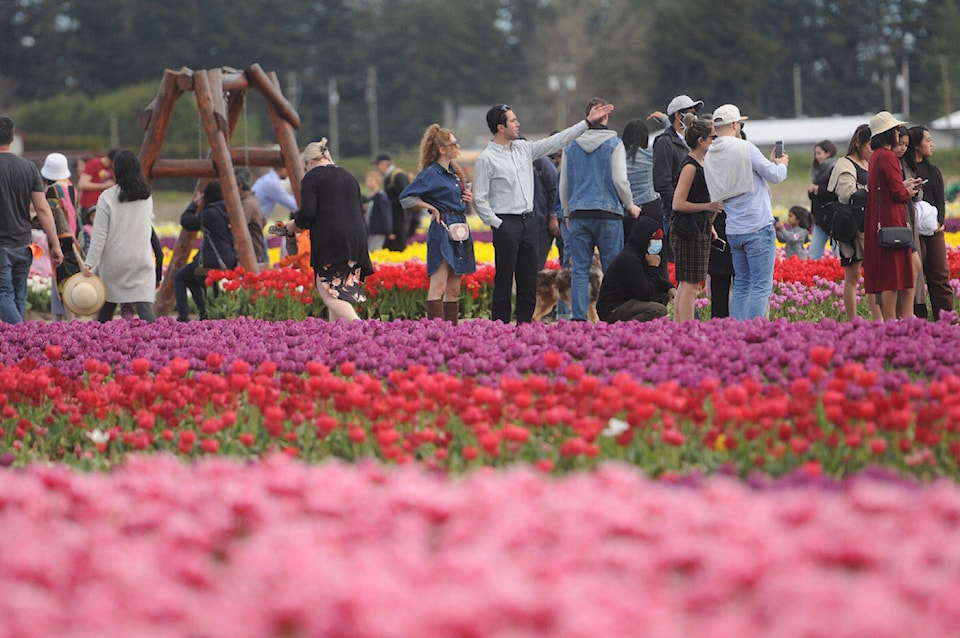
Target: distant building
column 470, row 126
column 946, row 130
column 797, row 134
column 17, row 146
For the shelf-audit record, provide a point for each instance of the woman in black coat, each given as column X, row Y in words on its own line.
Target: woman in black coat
column 206, row 213
column 332, row 209
column 633, row 286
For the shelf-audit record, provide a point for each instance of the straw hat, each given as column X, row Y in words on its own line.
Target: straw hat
column 883, row 122
column 83, row 295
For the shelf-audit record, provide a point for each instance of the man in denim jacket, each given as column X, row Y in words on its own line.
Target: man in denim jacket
column 594, row 193
column 503, row 198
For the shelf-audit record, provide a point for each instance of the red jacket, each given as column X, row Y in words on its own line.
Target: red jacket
column 885, row 268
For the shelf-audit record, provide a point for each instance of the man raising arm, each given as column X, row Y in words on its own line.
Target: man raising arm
column 503, row 198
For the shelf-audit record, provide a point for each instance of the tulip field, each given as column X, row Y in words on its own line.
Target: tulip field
column 269, row 473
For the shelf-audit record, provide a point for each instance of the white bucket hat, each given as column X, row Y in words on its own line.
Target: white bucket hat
column 55, row 167
column 83, row 295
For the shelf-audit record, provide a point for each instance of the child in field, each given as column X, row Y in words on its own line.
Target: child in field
column 86, row 230
column 796, row 233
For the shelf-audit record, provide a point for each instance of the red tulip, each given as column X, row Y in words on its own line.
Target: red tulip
column 878, row 446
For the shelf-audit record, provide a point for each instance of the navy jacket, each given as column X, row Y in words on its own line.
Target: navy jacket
column 215, row 224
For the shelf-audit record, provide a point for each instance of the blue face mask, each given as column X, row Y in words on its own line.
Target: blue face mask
column 656, row 245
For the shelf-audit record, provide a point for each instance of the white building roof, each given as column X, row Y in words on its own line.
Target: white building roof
column 801, row 133
column 949, row 122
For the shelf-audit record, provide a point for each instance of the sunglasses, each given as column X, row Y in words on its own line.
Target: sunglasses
column 453, row 143
column 504, row 108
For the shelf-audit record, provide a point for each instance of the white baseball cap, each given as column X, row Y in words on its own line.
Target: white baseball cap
column 727, row 114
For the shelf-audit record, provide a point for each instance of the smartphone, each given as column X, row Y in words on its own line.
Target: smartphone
column 778, row 148
column 719, row 244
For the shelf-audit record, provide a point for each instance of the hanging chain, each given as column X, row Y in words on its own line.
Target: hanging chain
column 246, row 134
column 199, row 134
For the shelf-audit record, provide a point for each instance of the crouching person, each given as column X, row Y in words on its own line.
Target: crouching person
column 633, row 287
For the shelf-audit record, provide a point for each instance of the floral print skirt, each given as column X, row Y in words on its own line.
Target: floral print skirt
column 342, row 281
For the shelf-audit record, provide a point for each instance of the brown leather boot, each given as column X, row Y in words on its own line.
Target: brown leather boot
column 451, row 311
column 434, row 308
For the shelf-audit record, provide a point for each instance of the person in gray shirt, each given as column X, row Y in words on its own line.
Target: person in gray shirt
column 20, row 186
column 503, row 198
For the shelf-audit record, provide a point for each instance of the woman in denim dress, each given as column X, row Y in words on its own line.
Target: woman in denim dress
column 441, row 189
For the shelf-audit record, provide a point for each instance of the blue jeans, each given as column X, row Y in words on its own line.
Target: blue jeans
column 585, row 234
column 563, row 245
column 818, row 240
column 753, row 257
column 14, row 269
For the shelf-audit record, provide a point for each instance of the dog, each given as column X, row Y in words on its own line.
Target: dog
column 554, row 285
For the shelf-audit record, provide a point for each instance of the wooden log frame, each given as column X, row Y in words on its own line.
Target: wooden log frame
column 219, row 119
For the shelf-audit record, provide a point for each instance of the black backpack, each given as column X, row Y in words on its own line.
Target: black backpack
column 844, row 221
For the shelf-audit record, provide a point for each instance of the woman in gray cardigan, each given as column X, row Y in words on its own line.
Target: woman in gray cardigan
column 120, row 249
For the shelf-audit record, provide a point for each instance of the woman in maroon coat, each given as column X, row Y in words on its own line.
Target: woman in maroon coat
column 887, row 270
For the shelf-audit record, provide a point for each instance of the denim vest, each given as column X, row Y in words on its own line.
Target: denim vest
column 590, row 180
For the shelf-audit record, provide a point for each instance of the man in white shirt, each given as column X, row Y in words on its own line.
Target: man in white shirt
column 503, row 198
column 270, row 191
column 737, row 174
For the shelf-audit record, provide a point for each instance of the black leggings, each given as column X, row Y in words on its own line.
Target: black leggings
column 720, row 295
column 144, row 311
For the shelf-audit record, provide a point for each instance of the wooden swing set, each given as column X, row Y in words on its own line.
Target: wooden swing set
column 221, row 100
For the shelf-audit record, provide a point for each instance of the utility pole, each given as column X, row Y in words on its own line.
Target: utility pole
column 797, row 91
column 114, row 130
column 887, row 94
column 333, row 99
column 293, row 89
column 372, row 114
column 945, row 86
column 905, row 89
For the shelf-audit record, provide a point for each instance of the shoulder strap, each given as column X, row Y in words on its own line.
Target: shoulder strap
column 208, row 237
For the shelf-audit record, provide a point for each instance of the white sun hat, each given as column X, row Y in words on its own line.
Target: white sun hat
column 83, row 295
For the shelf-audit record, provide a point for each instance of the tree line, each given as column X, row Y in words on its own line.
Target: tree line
column 546, row 57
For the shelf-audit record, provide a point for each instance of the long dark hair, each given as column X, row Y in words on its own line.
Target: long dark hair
column 860, row 137
column 636, row 135
column 829, row 148
column 916, row 136
column 126, row 168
